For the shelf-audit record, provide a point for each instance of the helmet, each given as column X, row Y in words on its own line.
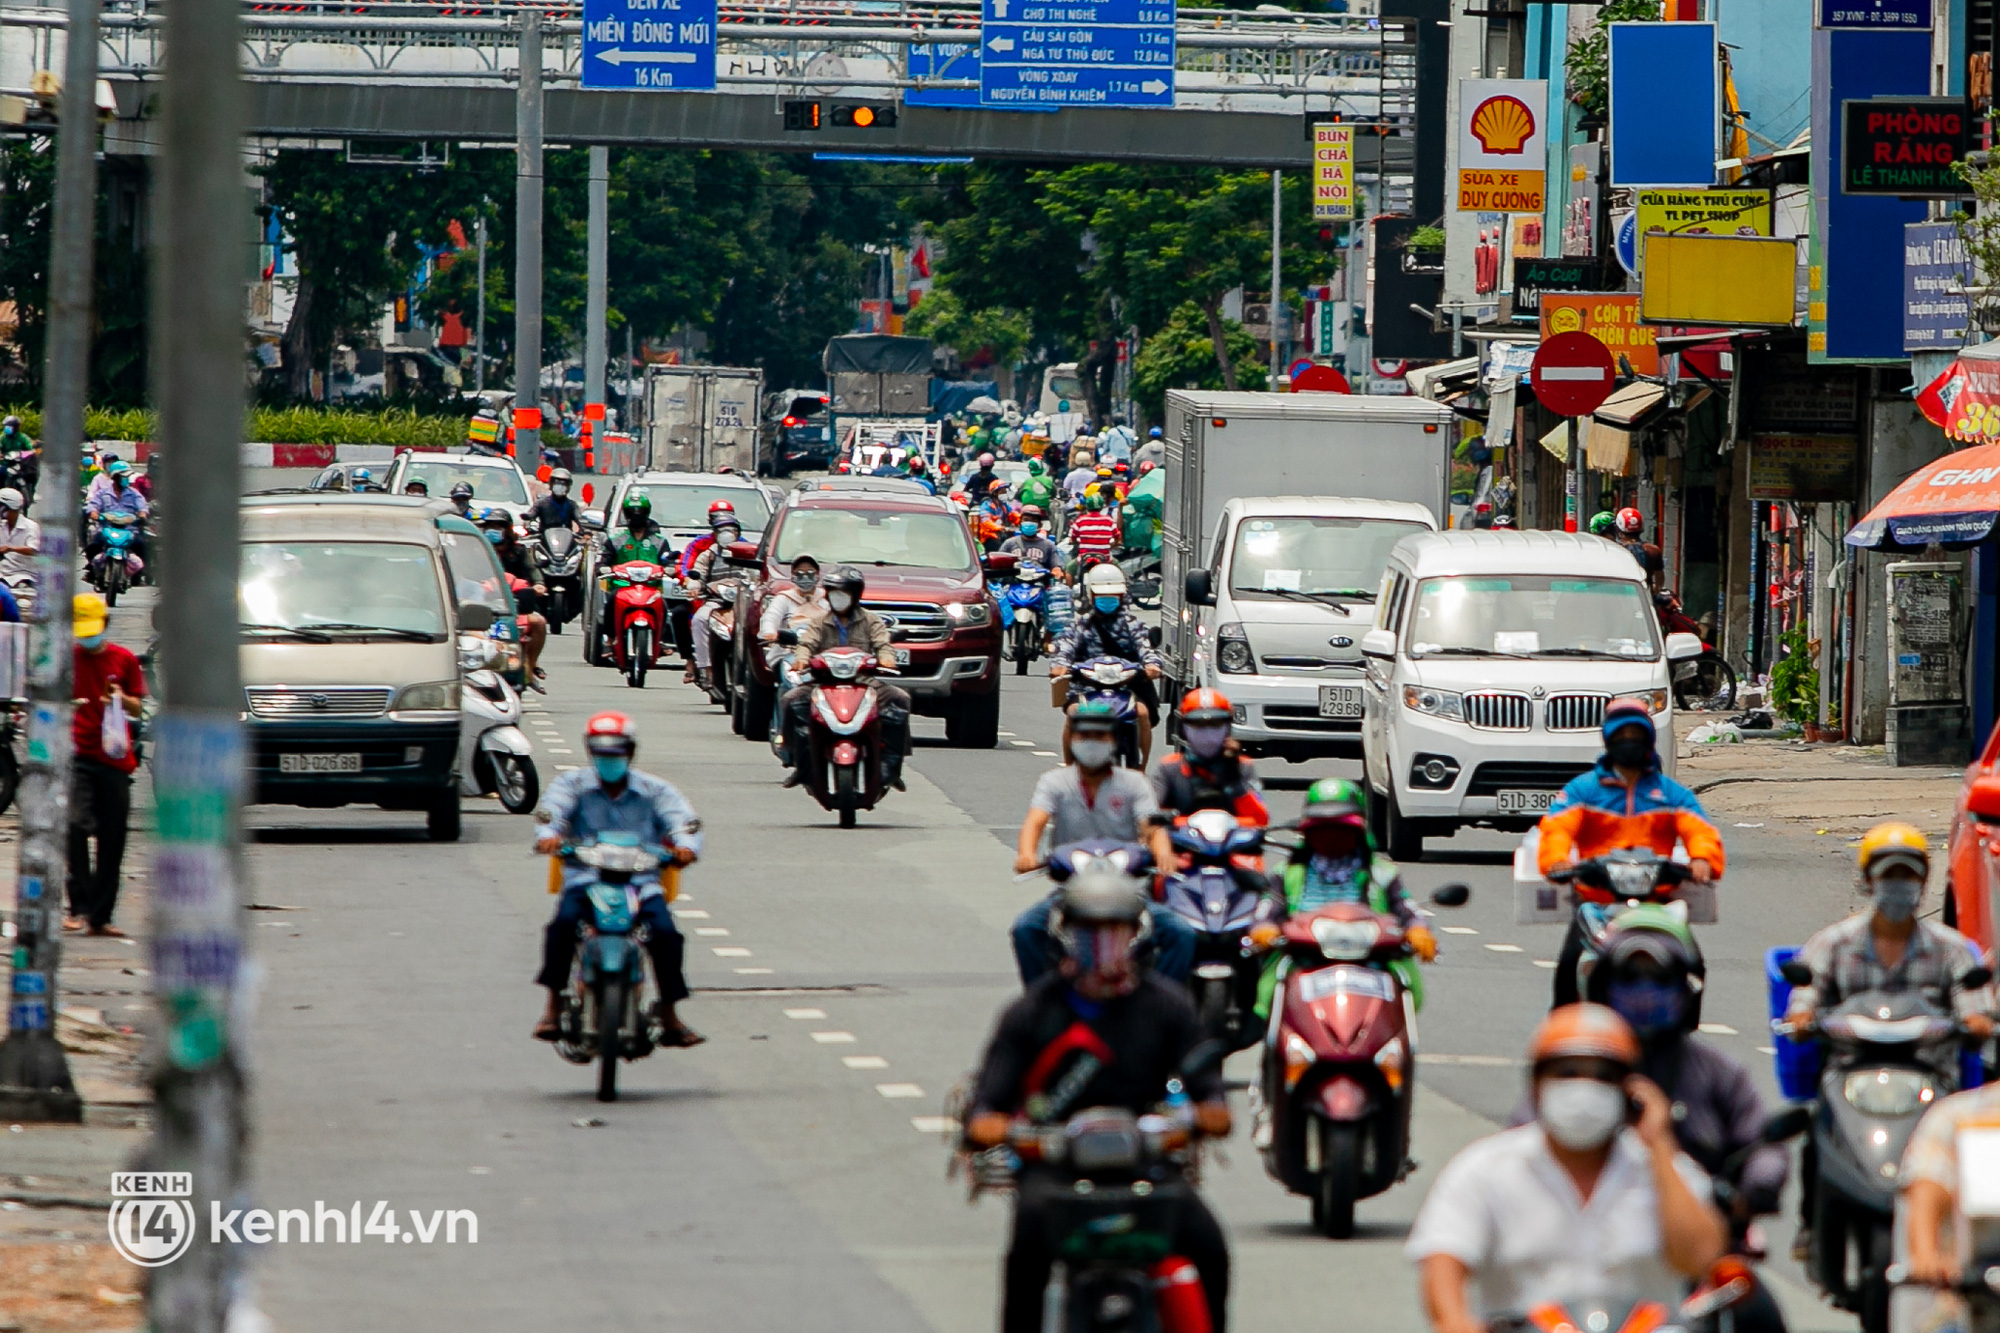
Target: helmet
column 1631, row 522
column 560, row 476
column 637, row 508
column 496, row 518
column 1601, row 523
column 1099, row 894
column 1105, row 580
column 1104, row 471
column 12, row 499
column 1034, row 467
column 722, row 509
column 462, row 491
column 1590, row 1030
column 1649, row 943
column 998, row 487
column 1094, row 714
column 1120, row 467
column 1334, row 801
column 359, row 474
column 1146, row 467
column 611, row 733
column 1624, row 713
column 843, row 578
column 1035, row 512
column 1205, row 705
column 986, row 460
column 11, row 421
column 414, row 486
column 1154, row 434
column 1091, row 503
column 118, row 467
column 1893, row 843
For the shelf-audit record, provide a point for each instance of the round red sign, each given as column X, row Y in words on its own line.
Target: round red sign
column 1572, row 374
column 1320, row 379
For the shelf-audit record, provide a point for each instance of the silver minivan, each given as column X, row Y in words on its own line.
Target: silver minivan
column 350, row 617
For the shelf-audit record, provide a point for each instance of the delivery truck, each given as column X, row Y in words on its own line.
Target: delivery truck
column 1279, row 514
column 877, row 375
column 703, row 418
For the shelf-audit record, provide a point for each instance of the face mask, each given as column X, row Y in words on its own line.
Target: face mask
column 1105, row 605
column 611, row 767
column 1651, row 1007
column 1205, row 742
column 1333, row 842
column 1630, row 753
column 1897, row 896
column 841, row 602
column 806, row 582
column 1092, row 754
column 560, row 489
column 494, row 537
column 1580, row 1113
column 91, row 644
column 1029, row 527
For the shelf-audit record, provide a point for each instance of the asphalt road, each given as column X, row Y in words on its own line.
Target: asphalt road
column 784, row 1175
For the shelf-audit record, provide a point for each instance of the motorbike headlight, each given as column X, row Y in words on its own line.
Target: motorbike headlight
column 1434, row 703
column 1630, row 881
column 1887, row 1092
column 541, row 557
column 968, row 615
column 1346, row 940
column 1656, row 701
column 436, row 697
column 1232, row 651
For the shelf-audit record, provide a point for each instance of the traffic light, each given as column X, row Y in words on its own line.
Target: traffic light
column 866, row 116
column 802, row 115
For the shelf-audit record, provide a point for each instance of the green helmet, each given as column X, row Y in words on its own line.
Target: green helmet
column 1090, row 503
column 1034, row 467
column 1650, row 941
column 1601, row 523
column 1333, row 800
column 1094, row 713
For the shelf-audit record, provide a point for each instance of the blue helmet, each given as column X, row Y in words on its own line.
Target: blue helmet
column 1628, row 713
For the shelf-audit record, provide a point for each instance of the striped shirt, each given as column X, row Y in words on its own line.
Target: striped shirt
column 1093, row 533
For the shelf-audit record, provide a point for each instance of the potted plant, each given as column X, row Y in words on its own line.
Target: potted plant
column 1423, row 250
column 1795, row 683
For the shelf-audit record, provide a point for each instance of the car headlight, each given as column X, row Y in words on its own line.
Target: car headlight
column 436, row 697
column 1434, row 703
column 968, row 614
column 1656, row 701
column 1232, row 651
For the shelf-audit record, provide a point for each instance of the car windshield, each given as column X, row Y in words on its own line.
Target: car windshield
column 806, row 407
column 1276, row 557
column 351, row 587
column 1533, row 615
column 494, row 485
column 687, row 506
column 476, row 575
column 877, row 537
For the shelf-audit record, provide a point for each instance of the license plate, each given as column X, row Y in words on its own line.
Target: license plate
column 319, row 763
column 1340, row 701
column 902, row 656
column 1515, row 801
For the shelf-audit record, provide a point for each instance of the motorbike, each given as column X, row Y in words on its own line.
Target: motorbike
column 1340, row 1060
column 1024, row 603
column 638, row 630
column 1729, row 1287
column 1110, row 679
column 1875, row 1086
column 1975, row 1228
column 602, row 1015
column 117, row 566
column 721, row 629
column 1705, row 681
column 1142, row 578
column 494, row 757
column 1607, row 885
column 844, row 731
column 1216, row 893
column 559, row 556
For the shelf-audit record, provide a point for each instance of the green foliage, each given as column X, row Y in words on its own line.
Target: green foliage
column 1426, row 237
column 399, row 427
column 1795, row 679
column 1589, row 56
column 1181, row 355
column 999, row 330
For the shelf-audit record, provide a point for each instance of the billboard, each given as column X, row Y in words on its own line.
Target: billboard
column 1666, row 104
column 1610, row 317
column 1936, row 269
column 1502, row 145
column 1727, row 280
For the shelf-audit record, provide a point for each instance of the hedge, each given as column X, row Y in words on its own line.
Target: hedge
column 398, row 427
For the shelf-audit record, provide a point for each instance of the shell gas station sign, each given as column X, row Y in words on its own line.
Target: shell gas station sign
column 1502, row 145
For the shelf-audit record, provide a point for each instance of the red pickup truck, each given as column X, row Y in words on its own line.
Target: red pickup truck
column 924, row 578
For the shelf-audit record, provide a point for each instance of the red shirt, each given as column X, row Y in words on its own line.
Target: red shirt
column 94, row 674
column 1093, row 533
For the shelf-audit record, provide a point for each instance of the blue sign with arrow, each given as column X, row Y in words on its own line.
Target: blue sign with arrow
column 943, row 60
column 1060, row 53
column 664, row 44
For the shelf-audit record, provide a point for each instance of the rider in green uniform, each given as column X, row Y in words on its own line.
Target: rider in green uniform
column 1338, row 863
column 640, row 538
column 1037, row 490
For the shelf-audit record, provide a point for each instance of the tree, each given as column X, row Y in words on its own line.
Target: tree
column 1000, row 331
column 1181, row 355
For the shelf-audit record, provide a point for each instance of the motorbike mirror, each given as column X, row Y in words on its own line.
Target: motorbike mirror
column 1451, row 895
column 1795, row 972
column 743, row 555
column 593, row 519
column 788, row 637
column 475, row 617
column 997, row 562
column 1976, row 978
column 1787, row 1124
column 1200, row 587
column 1204, row 1054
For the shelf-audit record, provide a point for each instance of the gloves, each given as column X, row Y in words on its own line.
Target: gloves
column 1423, row 942
column 1264, row 934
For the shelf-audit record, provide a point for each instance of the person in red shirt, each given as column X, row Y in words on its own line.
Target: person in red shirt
column 100, row 801
column 1092, row 532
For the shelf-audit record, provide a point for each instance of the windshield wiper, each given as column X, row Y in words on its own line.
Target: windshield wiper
column 391, row 631
column 290, row 631
column 1333, row 599
column 1456, row 651
column 1589, row 652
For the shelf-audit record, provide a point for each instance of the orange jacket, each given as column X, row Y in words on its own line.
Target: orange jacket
column 1583, row 832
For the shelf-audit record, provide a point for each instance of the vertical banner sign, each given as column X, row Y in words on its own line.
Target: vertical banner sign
column 1502, row 145
column 1936, row 270
column 1666, row 104
column 1333, row 173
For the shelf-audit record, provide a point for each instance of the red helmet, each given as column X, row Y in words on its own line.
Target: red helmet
column 721, row 507
column 611, row 733
column 1630, row 521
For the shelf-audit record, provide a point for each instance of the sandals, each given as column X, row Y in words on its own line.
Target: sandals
column 681, row 1035
column 106, row 931
column 546, row 1030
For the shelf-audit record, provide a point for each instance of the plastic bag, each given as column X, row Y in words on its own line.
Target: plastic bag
column 116, row 735
column 1714, row 733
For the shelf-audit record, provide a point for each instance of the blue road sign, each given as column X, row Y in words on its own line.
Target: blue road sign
column 1057, row 53
column 665, row 44
column 943, row 60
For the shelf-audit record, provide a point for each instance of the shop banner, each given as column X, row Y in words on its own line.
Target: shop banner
column 1611, row 318
column 1964, row 402
column 1808, row 469
column 1936, row 269
column 1502, row 145
column 1333, row 173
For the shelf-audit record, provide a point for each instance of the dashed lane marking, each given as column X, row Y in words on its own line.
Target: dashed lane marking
column 753, row 971
column 805, row 1013
column 1505, row 948
column 1549, row 963
column 833, row 1038
column 933, row 1124
column 899, row 1090
column 1718, row 1029
column 1023, row 744
column 864, row 1062
column 1458, row 930
column 711, row 930
column 1043, row 754
column 1767, row 1050
column 691, row 913
column 732, row 951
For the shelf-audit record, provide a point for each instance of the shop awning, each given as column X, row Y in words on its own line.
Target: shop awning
column 1964, row 402
column 1953, row 501
column 1448, row 378
column 1629, row 406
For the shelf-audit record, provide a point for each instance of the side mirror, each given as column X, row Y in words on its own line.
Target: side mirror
column 1681, row 646
column 788, row 637
column 1156, row 634
column 1200, row 587
column 1976, row 978
column 592, row 520
column 1795, row 972
column 1451, row 895
column 1787, row 1124
column 743, row 555
column 475, row 617
column 1378, row 643
column 997, row 562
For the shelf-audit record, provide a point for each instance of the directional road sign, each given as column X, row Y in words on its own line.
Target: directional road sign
column 943, row 60
column 1057, row 53
column 1572, row 374
column 666, row 44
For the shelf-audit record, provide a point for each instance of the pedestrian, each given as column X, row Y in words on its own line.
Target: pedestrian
column 100, row 803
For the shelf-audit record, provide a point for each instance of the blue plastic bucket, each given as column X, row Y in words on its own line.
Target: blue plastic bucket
column 1797, row 1062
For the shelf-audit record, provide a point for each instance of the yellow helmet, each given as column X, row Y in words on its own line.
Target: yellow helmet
column 1893, row 841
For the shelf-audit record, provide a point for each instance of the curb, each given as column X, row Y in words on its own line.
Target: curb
column 1713, row 783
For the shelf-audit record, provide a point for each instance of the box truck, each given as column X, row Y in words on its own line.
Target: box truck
column 703, row 418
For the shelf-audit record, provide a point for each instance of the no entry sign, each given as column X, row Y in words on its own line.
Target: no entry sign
column 1572, row 374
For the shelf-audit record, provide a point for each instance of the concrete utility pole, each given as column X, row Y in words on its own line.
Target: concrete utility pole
column 479, row 319
column 198, row 764
column 596, row 243
column 1277, row 274
column 528, row 241
column 34, row 1075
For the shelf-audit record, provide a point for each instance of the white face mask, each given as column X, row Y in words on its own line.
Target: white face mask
column 1580, row 1113
column 1092, row 754
column 841, row 602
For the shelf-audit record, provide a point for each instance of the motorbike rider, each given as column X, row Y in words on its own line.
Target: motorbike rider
column 844, row 623
column 1037, row 491
column 1106, row 628
column 461, row 498
column 1093, row 532
column 639, row 540
column 556, row 509
column 417, row 488
column 1625, row 800
column 980, row 482
column 1588, row 1202
column 1631, row 535
column 915, row 469
column 1153, row 451
column 698, row 573
column 782, row 606
column 612, row 796
column 118, row 497
column 1028, row 546
column 1930, row 1185
column 1099, row 1031
column 21, row 457
column 1209, row 772
column 20, row 540
column 498, row 525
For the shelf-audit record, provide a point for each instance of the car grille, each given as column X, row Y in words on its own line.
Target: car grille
column 332, row 701
column 912, row 622
column 1300, row 663
column 1283, row 717
column 1489, row 778
column 1498, row 712
column 1575, row 712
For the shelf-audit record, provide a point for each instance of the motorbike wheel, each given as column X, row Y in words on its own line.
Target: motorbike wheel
column 638, row 658
column 1024, row 648
column 1212, row 1007
column 610, row 1018
column 1706, row 682
column 738, row 723
column 1339, row 1180
column 516, row 782
column 758, row 701
column 845, row 795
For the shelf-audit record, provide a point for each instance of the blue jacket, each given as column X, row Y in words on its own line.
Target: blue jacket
column 577, row 809
column 1600, row 789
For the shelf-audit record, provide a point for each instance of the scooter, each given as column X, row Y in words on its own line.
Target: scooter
column 1875, row 1087
column 1340, row 1060
column 1110, row 679
column 1729, row 1286
column 559, row 556
column 844, row 731
column 494, row 757
column 1606, row 886
column 1216, row 893
column 1023, row 603
column 117, row 567
column 602, row 1016
column 720, row 626
column 638, row 619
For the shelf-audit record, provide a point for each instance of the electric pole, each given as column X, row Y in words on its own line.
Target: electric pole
column 479, row 319
column 1277, row 273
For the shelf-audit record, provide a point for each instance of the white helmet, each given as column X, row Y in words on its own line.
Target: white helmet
column 12, row 499
column 1105, row 580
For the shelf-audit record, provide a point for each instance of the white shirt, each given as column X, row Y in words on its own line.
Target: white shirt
column 1506, row 1208
column 24, row 532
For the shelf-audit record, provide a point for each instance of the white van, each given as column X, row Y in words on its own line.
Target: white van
column 1491, row 661
column 1280, row 610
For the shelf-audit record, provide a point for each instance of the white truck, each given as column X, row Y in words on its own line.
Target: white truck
column 703, row 418
column 1280, row 512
